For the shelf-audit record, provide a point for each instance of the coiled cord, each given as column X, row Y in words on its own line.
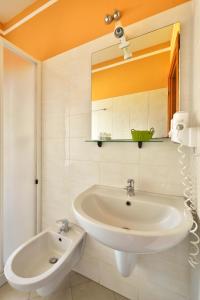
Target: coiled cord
column 189, row 205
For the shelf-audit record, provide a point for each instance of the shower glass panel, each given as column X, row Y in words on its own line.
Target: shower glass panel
column 19, row 151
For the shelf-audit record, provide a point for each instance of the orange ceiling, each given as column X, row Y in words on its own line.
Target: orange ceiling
column 67, row 24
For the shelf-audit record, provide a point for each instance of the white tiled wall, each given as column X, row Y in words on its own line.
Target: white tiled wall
column 195, row 290
column 140, row 111
column 70, row 165
column 196, row 86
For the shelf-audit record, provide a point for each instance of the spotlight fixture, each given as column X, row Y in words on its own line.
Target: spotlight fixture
column 109, row 18
column 117, row 15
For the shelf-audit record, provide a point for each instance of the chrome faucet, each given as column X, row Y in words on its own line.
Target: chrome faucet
column 64, row 225
column 130, row 187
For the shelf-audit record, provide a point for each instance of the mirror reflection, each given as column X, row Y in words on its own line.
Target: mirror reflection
column 139, row 92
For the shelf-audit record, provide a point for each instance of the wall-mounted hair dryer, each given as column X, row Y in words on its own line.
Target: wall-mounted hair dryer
column 180, row 132
column 187, row 136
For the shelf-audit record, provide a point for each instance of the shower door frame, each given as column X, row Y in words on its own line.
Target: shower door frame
column 38, row 136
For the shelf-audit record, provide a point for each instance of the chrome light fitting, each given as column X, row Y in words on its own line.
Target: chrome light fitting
column 115, row 17
column 119, row 33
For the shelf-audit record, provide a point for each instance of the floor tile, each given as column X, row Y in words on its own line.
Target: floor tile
column 33, row 295
column 76, row 279
column 81, row 288
column 119, row 297
column 64, row 295
column 8, row 293
column 91, row 291
column 69, row 294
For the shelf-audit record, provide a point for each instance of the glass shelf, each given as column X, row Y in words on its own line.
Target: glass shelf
column 100, row 142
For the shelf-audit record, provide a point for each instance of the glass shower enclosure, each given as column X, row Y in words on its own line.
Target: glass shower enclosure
column 19, row 149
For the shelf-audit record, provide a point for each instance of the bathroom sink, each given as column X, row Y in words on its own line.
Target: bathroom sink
column 144, row 223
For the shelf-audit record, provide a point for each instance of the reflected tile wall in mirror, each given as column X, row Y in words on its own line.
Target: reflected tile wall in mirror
column 140, row 92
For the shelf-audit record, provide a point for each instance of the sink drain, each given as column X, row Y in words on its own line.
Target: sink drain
column 53, row 260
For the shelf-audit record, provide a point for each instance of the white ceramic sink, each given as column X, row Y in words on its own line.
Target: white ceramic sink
column 144, row 223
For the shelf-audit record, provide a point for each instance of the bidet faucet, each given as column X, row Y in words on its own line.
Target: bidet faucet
column 130, row 187
column 64, row 225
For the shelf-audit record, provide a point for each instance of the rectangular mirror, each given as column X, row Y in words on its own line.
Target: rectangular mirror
column 139, row 93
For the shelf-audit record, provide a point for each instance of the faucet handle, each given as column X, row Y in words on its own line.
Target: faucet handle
column 64, row 221
column 64, row 225
column 130, row 182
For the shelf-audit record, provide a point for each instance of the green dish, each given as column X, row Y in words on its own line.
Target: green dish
column 142, row 135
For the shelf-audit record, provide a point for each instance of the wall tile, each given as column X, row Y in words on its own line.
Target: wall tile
column 96, row 250
column 56, row 106
column 55, row 127
column 110, row 174
column 128, row 287
column 89, row 267
column 80, row 126
column 161, row 272
column 160, row 179
column 164, row 153
column 119, row 152
column 81, row 150
column 151, row 291
column 195, row 119
column 55, row 152
column 54, row 85
column 83, row 171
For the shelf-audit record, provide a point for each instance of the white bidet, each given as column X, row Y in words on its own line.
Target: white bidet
column 42, row 263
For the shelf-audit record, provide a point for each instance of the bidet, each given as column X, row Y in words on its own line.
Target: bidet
column 42, row 263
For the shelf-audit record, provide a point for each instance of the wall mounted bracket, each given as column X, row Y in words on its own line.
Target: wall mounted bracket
column 100, row 144
column 140, row 143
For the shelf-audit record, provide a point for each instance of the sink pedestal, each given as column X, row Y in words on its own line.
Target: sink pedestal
column 125, row 262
